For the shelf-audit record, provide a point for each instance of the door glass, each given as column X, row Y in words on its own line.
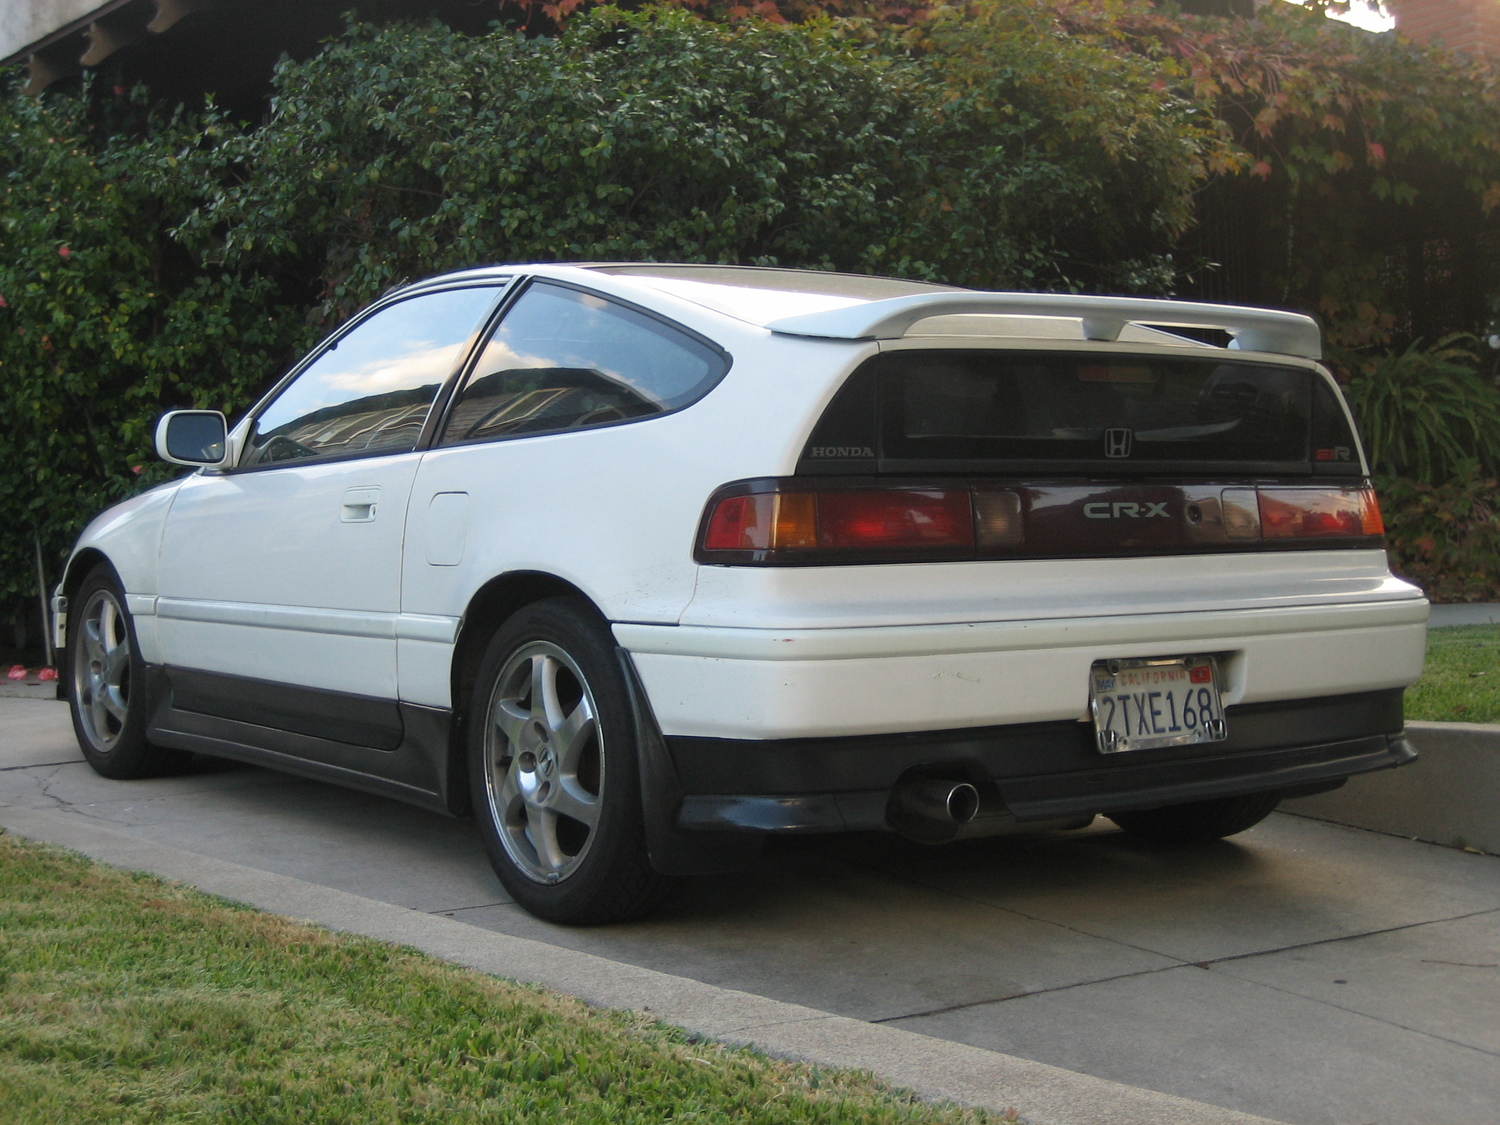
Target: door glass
column 371, row 391
column 562, row 360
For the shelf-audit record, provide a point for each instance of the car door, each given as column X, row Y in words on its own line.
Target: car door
column 280, row 580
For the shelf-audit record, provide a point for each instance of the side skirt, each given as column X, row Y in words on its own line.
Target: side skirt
column 417, row 770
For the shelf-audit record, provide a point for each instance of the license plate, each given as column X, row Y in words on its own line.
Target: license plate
column 1147, row 704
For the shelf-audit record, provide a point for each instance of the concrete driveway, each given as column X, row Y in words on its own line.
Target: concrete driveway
column 1303, row 971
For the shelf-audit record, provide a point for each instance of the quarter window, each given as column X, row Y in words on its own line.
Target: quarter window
column 564, row 360
column 370, row 392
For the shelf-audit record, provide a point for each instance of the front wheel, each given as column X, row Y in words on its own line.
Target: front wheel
column 106, row 684
column 1200, row 822
column 553, row 769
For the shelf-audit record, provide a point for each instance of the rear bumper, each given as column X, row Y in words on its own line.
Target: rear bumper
column 774, row 684
column 1033, row 772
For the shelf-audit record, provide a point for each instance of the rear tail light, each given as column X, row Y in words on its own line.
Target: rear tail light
column 1318, row 513
column 922, row 520
column 796, row 522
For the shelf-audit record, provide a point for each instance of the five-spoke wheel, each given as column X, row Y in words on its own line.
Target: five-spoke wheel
column 544, row 761
column 106, row 683
column 553, row 769
column 101, row 669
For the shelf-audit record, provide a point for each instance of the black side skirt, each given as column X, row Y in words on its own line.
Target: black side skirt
column 407, row 753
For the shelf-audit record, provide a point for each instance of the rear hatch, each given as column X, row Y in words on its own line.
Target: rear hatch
column 951, row 453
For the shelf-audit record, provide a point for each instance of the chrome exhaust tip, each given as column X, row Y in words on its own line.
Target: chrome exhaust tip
column 931, row 810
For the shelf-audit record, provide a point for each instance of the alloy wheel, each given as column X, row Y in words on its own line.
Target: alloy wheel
column 544, row 762
column 101, row 670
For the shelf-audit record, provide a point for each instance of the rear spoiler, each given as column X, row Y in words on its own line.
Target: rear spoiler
column 1104, row 318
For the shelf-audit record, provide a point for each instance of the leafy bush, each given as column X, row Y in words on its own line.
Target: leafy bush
column 104, row 319
column 152, row 260
column 1445, row 538
column 1352, row 175
column 402, row 151
column 1427, row 414
column 1126, row 153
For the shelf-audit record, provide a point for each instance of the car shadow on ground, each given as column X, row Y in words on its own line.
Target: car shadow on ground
column 1100, row 861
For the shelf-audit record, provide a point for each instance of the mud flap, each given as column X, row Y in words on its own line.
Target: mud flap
column 674, row 851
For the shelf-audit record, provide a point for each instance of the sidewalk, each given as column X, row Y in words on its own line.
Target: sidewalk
column 1473, row 613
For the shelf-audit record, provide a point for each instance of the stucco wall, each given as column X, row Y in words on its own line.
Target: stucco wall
column 24, row 22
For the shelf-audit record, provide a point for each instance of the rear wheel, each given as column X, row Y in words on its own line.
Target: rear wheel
column 106, row 684
column 553, row 767
column 1199, row 822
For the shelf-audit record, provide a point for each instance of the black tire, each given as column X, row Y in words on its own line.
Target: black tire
column 1200, row 822
column 532, row 763
column 106, row 684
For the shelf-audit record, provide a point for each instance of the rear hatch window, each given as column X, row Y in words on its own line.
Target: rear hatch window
column 1058, row 413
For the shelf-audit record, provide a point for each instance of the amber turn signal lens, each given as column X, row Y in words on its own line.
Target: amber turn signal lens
column 768, row 521
column 796, row 520
column 1370, row 519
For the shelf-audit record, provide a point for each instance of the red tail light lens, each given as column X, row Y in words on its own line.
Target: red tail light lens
column 905, row 518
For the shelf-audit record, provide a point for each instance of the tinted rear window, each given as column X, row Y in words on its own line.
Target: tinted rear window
column 1043, row 411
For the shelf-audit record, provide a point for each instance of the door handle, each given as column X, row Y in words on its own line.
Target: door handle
column 359, row 505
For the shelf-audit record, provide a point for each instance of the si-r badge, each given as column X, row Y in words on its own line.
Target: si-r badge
column 1117, row 442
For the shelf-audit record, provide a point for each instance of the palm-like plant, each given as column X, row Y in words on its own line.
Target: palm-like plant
column 1423, row 413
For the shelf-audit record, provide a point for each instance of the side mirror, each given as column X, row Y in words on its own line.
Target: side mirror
column 192, row 437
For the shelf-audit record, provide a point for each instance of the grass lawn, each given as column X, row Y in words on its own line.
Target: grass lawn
column 1462, row 680
column 124, row 998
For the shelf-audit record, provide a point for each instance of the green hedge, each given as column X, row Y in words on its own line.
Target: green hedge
column 1445, row 537
column 152, row 260
column 104, row 318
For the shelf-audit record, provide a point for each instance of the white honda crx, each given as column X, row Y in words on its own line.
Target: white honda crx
column 644, row 562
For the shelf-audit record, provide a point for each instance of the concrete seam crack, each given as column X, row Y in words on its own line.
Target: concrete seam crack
column 1376, row 1019
column 779, row 1023
column 44, row 785
column 42, row 765
column 915, row 882
column 1035, row 992
column 447, row 910
column 1209, row 963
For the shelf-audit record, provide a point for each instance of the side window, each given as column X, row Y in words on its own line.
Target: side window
column 371, row 391
column 562, row 360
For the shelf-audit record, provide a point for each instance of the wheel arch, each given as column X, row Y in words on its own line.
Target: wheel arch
column 672, row 850
column 78, row 567
column 75, row 570
column 492, row 605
